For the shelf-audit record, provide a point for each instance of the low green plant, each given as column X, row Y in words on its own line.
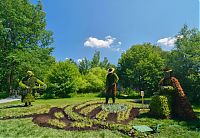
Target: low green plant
column 102, row 115
column 59, row 115
column 88, row 109
column 121, row 116
column 82, row 124
column 160, row 106
column 114, row 108
column 57, row 123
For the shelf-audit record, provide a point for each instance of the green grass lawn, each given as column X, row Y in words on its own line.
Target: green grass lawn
column 26, row 128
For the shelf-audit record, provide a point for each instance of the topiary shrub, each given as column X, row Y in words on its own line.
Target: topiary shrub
column 160, row 106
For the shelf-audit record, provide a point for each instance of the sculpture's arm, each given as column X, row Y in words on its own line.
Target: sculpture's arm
column 24, row 86
column 44, row 86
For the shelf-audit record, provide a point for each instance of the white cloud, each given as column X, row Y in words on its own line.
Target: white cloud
column 169, row 41
column 66, row 58
column 109, row 42
column 98, row 43
column 79, row 60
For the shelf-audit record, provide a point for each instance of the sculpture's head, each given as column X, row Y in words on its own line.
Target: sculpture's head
column 30, row 73
column 111, row 70
column 167, row 72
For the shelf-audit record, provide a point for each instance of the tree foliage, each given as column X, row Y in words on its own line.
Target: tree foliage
column 85, row 65
column 185, row 61
column 140, row 67
column 96, row 78
column 63, row 78
column 22, row 30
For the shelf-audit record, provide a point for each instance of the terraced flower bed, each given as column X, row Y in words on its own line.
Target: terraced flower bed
column 91, row 115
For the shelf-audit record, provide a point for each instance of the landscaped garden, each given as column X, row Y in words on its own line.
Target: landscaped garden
column 89, row 117
column 66, row 67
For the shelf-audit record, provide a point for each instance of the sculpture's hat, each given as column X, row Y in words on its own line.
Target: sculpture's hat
column 167, row 69
column 111, row 70
column 30, row 73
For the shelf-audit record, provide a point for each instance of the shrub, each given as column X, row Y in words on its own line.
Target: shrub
column 63, row 79
column 160, row 106
column 128, row 93
column 94, row 80
column 4, row 95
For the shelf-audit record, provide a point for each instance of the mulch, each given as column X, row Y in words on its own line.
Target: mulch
column 112, row 117
column 94, row 112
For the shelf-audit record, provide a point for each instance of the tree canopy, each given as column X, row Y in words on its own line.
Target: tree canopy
column 140, row 67
column 24, row 41
column 185, row 61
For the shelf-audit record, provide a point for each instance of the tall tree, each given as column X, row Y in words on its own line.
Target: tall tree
column 84, row 66
column 140, row 67
column 96, row 59
column 22, row 27
column 105, row 63
column 185, row 61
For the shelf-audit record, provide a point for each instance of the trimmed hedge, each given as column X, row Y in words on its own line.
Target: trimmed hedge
column 160, row 106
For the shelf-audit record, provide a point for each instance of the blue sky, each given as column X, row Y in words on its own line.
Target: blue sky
column 112, row 26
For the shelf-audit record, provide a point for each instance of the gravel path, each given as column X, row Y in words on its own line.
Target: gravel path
column 10, row 99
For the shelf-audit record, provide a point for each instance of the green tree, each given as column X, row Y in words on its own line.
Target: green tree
column 96, row 59
column 63, row 79
column 22, row 27
column 105, row 63
column 40, row 62
column 84, row 66
column 185, row 61
column 140, row 67
column 95, row 79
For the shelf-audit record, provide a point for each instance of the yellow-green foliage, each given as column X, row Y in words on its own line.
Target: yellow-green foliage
column 57, row 123
column 123, row 115
column 59, row 115
column 160, row 106
column 86, row 103
column 102, row 115
column 82, row 124
column 88, row 109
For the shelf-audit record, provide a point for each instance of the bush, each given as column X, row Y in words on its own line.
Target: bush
column 3, row 95
column 63, row 79
column 128, row 93
column 94, row 80
column 160, row 106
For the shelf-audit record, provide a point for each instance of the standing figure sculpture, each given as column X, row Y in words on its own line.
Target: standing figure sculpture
column 171, row 100
column 29, row 85
column 111, row 81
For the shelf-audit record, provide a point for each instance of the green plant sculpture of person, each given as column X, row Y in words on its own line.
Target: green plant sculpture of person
column 111, row 81
column 171, row 100
column 29, row 85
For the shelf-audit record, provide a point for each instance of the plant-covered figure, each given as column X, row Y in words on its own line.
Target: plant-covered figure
column 171, row 100
column 29, row 85
column 111, row 81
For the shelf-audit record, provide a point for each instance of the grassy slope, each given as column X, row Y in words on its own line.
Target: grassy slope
column 25, row 128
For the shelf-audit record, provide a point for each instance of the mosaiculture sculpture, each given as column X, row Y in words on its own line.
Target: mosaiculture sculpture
column 29, row 85
column 171, row 101
column 111, row 81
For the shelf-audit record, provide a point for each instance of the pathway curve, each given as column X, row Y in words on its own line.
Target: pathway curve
column 10, row 99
